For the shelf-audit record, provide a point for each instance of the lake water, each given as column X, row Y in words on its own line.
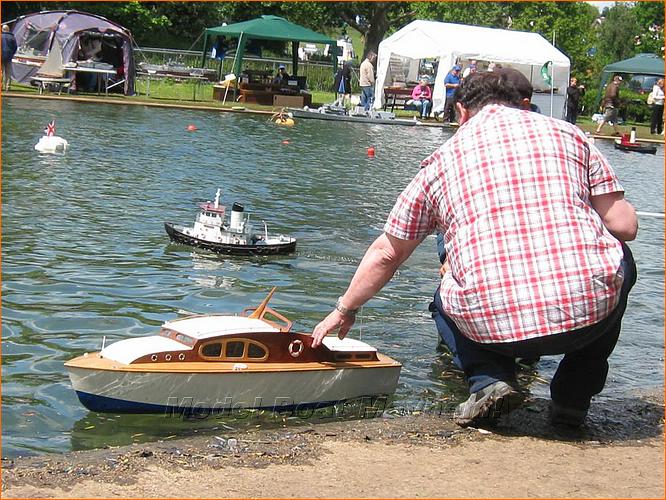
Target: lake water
column 85, row 255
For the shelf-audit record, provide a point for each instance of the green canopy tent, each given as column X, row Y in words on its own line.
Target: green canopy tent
column 641, row 64
column 267, row 28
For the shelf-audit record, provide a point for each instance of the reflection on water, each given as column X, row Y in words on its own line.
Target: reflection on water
column 85, row 254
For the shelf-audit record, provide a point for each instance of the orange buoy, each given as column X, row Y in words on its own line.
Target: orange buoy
column 285, row 142
column 191, row 128
column 371, row 152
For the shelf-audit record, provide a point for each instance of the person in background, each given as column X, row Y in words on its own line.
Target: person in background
column 574, row 93
column 367, row 80
column 9, row 48
column 657, row 121
column 219, row 50
column 469, row 69
column 611, row 105
column 422, row 97
column 342, row 84
column 451, row 83
column 536, row 264
column 282, row 77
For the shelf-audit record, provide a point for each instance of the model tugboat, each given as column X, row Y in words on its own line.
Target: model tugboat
column 223, row 362
column 628, row 142
column 211, row 232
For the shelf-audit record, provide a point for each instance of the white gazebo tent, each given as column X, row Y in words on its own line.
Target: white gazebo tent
column 458, row 43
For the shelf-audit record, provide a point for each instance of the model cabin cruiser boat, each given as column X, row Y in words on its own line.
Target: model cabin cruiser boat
column 217, row 362
column 340, row 114
column 211, row 232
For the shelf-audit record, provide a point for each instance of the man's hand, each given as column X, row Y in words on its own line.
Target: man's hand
column 334, row 321
column 445, row 268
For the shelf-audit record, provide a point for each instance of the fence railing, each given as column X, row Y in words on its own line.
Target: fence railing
column 319, row 74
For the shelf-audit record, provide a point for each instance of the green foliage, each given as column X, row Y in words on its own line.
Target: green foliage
column 635, row 107
column 616, row 38
column 650, row 20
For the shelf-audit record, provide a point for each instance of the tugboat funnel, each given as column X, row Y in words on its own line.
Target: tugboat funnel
column 236, row 222
column 217, row 197
column 262, row 307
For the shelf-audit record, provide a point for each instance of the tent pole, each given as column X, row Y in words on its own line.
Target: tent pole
column 552, row 88
column 552, row 80
column 203, row 52
column 333, row 50
column 294, row 58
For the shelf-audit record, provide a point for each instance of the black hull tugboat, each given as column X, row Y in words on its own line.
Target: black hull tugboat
column 629, row 143
column 636, row 147
column 211, row 232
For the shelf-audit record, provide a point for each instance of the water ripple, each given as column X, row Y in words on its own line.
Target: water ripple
column 85, row 256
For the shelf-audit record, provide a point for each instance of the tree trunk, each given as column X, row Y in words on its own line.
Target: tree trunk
column 379, row 24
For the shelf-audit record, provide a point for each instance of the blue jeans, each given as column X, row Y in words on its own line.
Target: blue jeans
column 423, row 106
column 367, row 97
column 580, row 375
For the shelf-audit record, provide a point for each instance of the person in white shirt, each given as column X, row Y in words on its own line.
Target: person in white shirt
column 366, row 80
column 657, row 122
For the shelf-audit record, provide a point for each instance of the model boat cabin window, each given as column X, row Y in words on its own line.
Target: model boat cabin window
column 234, row 350
column 212, row 350
column 178, row 337
column 255, row 351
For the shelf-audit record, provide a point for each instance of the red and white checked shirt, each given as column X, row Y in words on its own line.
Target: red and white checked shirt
column 529, row 256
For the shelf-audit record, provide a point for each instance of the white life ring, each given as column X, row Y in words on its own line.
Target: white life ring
column 296, row 348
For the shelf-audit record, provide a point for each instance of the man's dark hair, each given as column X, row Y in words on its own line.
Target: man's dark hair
column 516, row 79
column 491, row 87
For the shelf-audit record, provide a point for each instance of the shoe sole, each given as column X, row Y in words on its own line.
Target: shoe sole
column 492, row 407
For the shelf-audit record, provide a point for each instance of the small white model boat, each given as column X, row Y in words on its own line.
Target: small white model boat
column 223, row 362
column 51, row 143
column 211, row 232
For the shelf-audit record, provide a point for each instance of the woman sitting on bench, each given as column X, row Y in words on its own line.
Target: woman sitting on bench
column 422, row 97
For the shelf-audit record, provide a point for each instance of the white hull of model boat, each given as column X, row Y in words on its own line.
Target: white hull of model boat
column 268, row 387
column 52, row 144
column 221, row 362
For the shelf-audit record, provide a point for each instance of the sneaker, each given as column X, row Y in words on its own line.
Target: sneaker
column 486, row 405
column 568, row 417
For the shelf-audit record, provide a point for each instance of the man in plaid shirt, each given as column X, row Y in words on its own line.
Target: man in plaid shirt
column 534, row 220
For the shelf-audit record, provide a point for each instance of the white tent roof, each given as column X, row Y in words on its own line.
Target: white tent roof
column 451, row 42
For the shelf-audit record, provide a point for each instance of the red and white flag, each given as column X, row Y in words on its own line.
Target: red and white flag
column 50, row 128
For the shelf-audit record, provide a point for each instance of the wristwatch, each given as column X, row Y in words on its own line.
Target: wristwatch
column 344, row 310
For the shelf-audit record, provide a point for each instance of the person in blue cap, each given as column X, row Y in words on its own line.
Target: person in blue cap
column 282, row 77
column 451, row 83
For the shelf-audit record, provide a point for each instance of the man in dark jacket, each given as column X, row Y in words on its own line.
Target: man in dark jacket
column 574, row 93
column 611, row 105
column 8, row 50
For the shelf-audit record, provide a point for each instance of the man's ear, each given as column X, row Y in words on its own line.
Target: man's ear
column 462, row 112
